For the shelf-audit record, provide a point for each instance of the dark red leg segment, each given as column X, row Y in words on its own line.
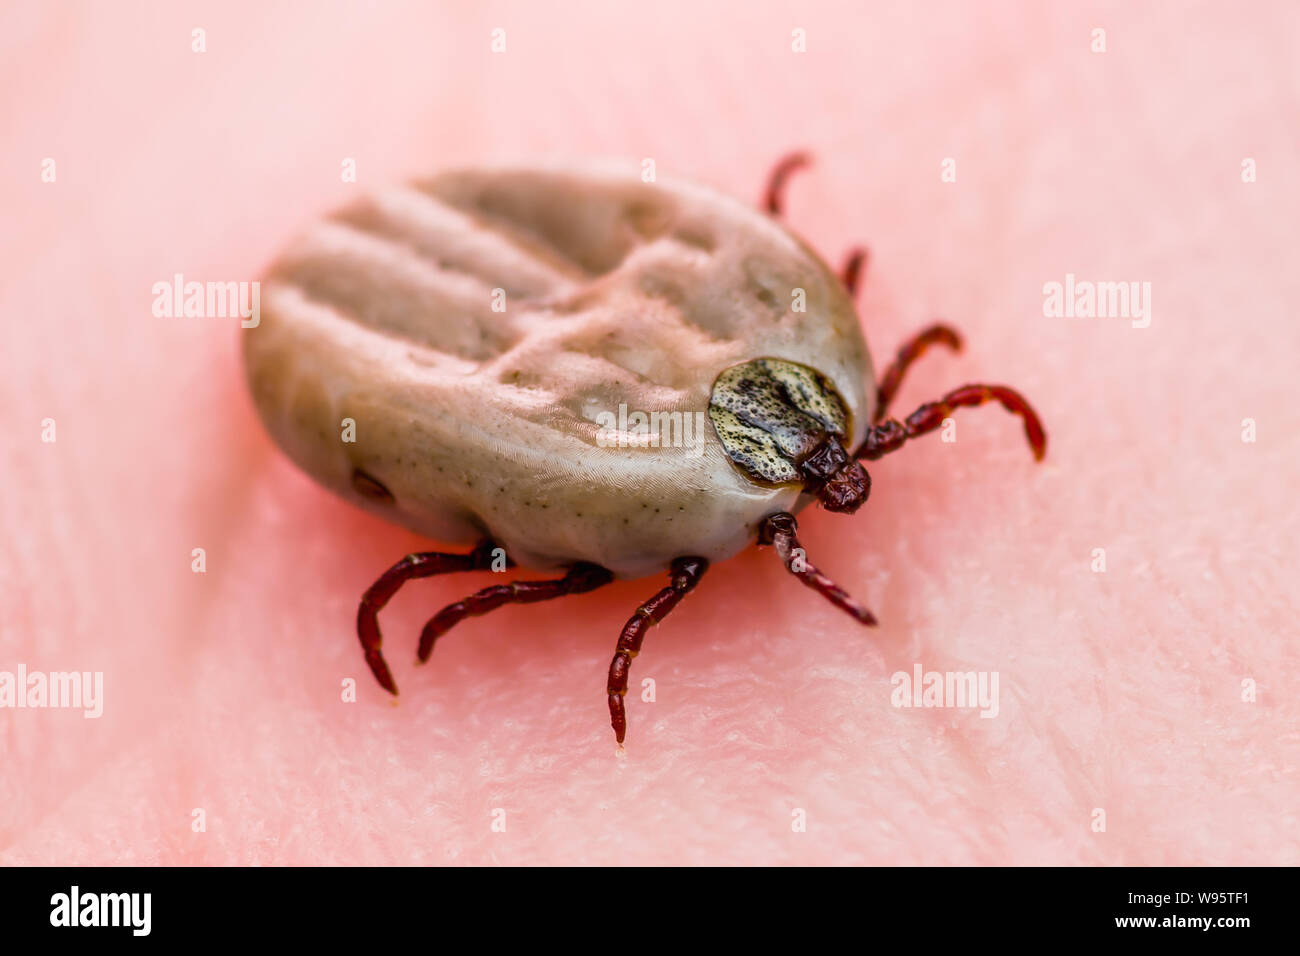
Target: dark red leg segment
column 909, row 352
column 890, row 435
column 779, row 530
column 854, row 266
column 580, row 579
column 423, row 565
column 772, row 198
column 685, row 574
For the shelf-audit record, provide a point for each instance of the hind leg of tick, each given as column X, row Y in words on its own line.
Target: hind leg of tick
column 425, row 564
column 580, row 579
column 685, row 574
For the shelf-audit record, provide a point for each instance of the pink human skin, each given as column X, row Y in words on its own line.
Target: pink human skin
column 1125, row 694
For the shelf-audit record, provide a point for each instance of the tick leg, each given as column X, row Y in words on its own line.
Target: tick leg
column 909, row 352
column 890, row 434
column 855, row 263
column 580, row 579
column 772, row 198
column 774, row 203
column 685, row 574
column 422, row 565
column 779, row 530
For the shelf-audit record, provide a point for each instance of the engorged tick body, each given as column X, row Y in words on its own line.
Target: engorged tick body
column 481, row 329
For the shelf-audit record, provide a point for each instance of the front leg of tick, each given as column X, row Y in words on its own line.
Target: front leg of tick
column 779, row 530
column 891, row 434
column 685, row 574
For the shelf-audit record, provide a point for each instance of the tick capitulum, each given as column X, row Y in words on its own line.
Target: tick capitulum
column 666, row 298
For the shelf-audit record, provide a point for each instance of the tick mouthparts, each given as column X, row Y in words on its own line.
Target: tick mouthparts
column 838, row 480
column 847, row 490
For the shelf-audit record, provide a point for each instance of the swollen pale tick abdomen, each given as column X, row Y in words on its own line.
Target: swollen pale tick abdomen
column 489, row 331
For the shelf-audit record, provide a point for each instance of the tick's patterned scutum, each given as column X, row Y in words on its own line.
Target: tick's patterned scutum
column 770, row 415
column 482, row 423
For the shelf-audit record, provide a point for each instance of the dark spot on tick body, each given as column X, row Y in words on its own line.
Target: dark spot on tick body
column 370, row 487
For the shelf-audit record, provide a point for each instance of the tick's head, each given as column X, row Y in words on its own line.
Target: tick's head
column 784, row 423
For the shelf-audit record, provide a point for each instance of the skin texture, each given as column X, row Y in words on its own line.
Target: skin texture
column 619, row 297
column 1120, row 691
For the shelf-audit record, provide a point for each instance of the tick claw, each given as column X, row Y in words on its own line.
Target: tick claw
column 379, row 667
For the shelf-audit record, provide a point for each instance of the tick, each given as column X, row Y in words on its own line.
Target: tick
column 511, row 359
